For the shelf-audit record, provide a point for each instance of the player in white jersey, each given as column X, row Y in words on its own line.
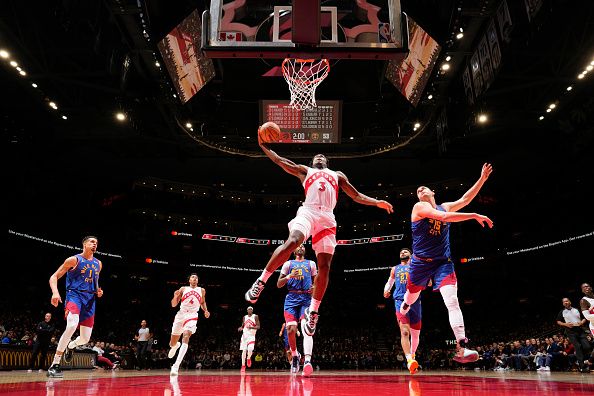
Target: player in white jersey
column 191, row 298
column 587, row 305
column 314, row 218
column 249, row 326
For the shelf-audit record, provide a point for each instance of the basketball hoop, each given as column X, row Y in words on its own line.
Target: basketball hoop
column 303, row 77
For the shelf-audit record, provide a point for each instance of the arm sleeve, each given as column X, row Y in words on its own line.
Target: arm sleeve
column 389, row 285
column 313, row 267
column 285, row 268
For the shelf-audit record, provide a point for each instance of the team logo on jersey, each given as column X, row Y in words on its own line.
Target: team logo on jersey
column 321, row 175
column 88, row 270
column 191, row 294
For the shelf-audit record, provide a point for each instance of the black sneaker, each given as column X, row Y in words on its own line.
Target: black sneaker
column 55, row 371
column 295, row 364
column 68, row 355
column 255, row 291
column 311, row 320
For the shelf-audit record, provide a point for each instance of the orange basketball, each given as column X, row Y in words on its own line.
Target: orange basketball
column 269, row 132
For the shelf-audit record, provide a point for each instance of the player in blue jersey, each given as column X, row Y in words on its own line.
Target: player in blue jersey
column 299, row 276
column 410, row 324
column 285, row 336
column 82, row 286
column 432, row 259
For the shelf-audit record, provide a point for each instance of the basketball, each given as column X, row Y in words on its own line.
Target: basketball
column 269, row 132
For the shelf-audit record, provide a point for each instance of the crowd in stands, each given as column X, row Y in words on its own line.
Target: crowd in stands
column 217, row 347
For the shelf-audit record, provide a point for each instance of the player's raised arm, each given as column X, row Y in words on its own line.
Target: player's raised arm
column 288, row 166
column 68, row 264
column 360, row 198
column 203, row 304
column 471, row 193
column 423, row 210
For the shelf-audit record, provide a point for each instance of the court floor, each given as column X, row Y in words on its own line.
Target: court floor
column 257, row 383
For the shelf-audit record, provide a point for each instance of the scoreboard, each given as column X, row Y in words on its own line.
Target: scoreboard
column 320, row 124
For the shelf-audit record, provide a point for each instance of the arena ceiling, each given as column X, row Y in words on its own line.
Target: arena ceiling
column 92, row 59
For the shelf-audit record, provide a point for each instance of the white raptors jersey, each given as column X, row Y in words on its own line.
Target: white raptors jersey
column 591, row 301
column 249, row 321
column 321, row 188
column 191, row 299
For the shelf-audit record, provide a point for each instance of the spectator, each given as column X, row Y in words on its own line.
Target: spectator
column 573, row 321
column 100, row 358
column 44, row 331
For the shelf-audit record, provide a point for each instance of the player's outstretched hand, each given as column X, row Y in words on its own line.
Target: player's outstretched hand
column 486, row 171
column 484, row 220
column 56, row 299
column 206, row 314
column 240, row 328
column 386, row 294
column 100, row 292
column 387, row 206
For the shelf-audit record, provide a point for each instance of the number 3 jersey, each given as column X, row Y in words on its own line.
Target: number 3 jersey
column 321, row 188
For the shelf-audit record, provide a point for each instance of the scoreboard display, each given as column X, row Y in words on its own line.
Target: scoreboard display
column 318, row 125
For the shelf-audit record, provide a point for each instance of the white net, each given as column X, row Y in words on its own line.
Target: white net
column 303, row 77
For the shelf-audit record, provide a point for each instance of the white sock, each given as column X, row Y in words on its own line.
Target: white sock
column 307, row 346
column 180, row 355
column 408, row 357
column 314, row 305
column 71, row 325
column 265, row 275
column 414, row 340
column 57, row 359
column 243, row 353
column 449, row 294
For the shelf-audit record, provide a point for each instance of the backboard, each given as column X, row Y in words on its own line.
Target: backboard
column 354, row 29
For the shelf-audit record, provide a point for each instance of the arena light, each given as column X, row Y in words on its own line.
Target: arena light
column 430, row 97
column 14, row 64
column 352, row 138
column 552, row 106
column 417, row 125
column 64, row 117
column 157, row 64
column 23, row 73
column 34, row 85
column 445, row 67
column 53, row 105
column 482, row 118
column 569, row 88
column 459, row 35
column 18, row 68
column 589, row 68
column 188, row 125
column 541, row 118
column 580, row 76
column 4, row 54
column 120, row 116
column 549, row 110
column 448, row 58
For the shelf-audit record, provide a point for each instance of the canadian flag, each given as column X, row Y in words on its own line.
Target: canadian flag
column 230, row 36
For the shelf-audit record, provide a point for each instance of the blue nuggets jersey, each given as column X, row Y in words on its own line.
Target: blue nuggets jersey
column 303, row 281
column 85, row 276
column 431, row 238
column 400, row 279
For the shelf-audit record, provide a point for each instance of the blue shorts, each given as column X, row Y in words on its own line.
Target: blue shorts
column 295, row 306
column 413, row 317
column 441, row 271
column 83, row 304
